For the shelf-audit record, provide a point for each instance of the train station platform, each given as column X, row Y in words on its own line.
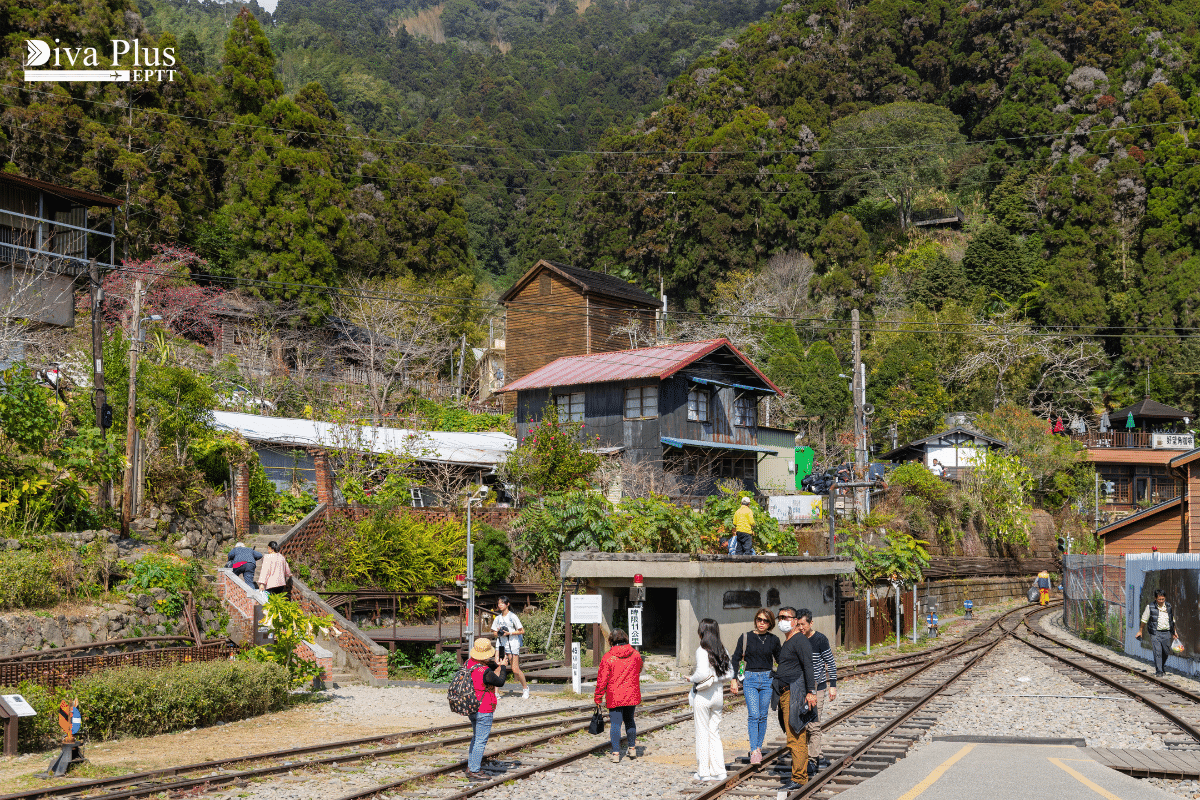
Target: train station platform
column 947, row 770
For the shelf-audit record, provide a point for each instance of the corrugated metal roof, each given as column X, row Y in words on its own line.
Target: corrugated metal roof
column 464, row 449
column 648, row 362
column 66, row 192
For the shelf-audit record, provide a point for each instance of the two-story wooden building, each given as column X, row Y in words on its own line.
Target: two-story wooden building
column 556, row 310
column 1135, row 458
column 692, row 407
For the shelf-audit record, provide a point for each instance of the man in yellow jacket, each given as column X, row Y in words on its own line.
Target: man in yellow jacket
column 743, row 525
column 1043, row 584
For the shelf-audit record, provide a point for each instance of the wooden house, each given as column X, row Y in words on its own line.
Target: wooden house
column 691, row 407
column 555, row 310
column 1171, row 526
column 1134, row 459
column 955, row 449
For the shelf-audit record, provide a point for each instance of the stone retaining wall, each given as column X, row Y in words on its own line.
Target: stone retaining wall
column 26, row 631
column 951, row 593
column 203, row 535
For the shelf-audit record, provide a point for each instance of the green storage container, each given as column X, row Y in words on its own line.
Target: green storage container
column 804, row 463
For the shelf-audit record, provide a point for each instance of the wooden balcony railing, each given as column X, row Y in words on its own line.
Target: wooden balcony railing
column 1126, row 439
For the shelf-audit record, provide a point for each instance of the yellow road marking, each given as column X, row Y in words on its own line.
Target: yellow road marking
column 1058, row 762
column 937, row 773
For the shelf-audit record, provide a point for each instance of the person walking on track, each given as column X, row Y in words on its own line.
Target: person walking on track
column 707, row 698
column 753, row 659
column 1161, row 619
column 486, row 676
column 1043, row 584
column 825, row 672
column 795, row 685
column 509, row 636
column 619, row 685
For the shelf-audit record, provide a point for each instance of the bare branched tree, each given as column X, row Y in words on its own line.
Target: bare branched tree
column 1006, row 351
column 390, row 342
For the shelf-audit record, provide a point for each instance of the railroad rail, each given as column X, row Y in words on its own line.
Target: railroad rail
column 862, row 740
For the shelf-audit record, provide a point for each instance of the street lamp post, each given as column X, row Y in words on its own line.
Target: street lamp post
column 476, row 496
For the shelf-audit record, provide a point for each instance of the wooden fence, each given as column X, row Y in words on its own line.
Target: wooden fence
column 62, row 671
column 854, row 630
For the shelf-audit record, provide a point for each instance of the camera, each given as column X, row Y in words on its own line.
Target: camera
column 500, row 650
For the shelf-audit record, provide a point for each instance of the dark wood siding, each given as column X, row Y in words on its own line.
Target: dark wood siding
column 541, row 328
column 604, row 315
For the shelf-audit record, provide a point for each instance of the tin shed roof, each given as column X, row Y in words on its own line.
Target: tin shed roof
column 487, row 449
column 78, row 196
column 648, row 362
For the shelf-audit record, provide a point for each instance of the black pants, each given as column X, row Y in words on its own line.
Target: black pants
column 745, row 545
column 1160, row 643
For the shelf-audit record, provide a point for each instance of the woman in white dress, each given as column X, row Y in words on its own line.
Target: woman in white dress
column 713, row 668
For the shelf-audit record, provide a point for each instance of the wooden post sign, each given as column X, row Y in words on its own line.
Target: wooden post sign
column 586, row 608
column 12, row 708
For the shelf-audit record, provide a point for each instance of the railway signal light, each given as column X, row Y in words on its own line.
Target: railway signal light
column 1062, row 544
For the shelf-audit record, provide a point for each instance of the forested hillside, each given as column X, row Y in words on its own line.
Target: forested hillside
column 768, row 168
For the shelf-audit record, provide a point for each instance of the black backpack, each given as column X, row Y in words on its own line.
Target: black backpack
column 461, row 693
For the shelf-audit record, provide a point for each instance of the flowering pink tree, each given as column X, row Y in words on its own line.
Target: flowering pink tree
column 186, row 308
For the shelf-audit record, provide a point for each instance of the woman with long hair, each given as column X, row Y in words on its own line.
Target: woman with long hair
column 758, row 650
column 713, row 667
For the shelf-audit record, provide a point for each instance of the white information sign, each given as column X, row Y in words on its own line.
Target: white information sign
column 1172, row 441
column 585, row 609
column 17, row 705
column 635, row 627
column 576, row 669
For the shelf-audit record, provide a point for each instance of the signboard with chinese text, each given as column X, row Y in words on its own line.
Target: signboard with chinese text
column 1172, row 441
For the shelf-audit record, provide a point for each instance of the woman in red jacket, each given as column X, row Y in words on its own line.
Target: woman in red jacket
column 619, row 678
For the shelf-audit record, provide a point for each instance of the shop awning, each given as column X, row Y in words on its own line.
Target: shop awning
column 670, row 441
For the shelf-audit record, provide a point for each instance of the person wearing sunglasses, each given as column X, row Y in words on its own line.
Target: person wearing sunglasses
column 754, row 657
column 795, row 686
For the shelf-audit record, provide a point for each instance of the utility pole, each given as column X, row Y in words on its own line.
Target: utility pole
column 857, row 389
column 131, row 411
column 462, row 357
column 99, row 395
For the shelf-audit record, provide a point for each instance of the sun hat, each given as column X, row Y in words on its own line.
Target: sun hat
column 482, row 650
column 745, row 501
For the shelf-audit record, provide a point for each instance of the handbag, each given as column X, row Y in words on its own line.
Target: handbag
column 596, row 726
column 1176, row 646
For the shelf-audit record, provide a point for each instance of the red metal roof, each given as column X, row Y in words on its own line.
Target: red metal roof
column 622, row 365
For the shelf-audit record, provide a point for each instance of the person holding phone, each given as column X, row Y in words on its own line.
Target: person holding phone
column 509, row 633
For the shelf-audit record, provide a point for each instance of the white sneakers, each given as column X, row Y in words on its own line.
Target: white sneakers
column 525, row 693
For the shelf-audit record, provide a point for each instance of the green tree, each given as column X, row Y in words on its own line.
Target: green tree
column 894, row 151
column 997, row 261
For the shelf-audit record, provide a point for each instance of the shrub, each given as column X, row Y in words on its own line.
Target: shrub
column 136, row 701
column 553, row 457
column 768, row 537
column 575, row 520
column 422, row 663
column 290, row 626
column 30, row 579
column 293, row 507
column 170, row 572
column 393, row 551
column 917, row 480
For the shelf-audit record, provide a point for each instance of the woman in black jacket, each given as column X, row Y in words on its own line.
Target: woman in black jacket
column 754, row 657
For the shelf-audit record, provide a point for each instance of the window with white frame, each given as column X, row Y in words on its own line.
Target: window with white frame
column 745, row 411
column 641, row 402
column 570, row 407
column 698, row 405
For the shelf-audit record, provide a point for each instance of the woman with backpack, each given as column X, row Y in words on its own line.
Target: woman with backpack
column 707, row 699
column 756, row 653
column 618, row 683
column 485, row 676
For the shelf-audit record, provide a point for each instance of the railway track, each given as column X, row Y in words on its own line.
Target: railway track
column 422, row 763
column 872, row 734
column 239, row 769
column 1094, row 671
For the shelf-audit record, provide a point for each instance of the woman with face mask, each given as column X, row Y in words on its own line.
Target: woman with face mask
column 754, row 657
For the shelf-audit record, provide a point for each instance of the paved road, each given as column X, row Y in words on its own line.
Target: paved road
column 957, row 770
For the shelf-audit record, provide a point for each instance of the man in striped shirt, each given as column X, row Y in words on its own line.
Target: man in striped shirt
column 825, row 671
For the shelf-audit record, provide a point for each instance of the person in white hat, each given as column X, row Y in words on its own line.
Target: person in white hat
column 486, row 676
column 743, row 525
